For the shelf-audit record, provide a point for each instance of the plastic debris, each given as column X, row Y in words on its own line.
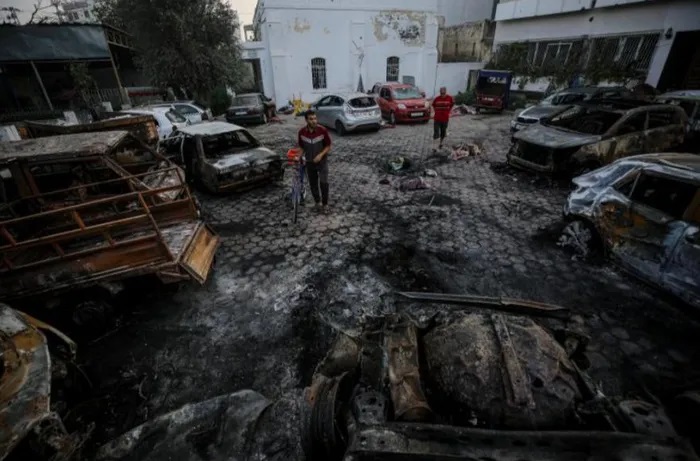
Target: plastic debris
column 430, row 173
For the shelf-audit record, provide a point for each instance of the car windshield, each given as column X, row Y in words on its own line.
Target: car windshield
column 175, row 117
column 228, row 143
column 406, row 93
column 245, row 101
column 362, row 102
column 586, row 120
column 562, row 98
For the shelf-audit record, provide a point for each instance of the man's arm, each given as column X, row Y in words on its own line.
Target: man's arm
column 326, row 147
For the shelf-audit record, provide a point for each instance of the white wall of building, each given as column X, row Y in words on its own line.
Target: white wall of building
column 454, row 76
column 355, row 37
column 461, row 11
column 635, row 17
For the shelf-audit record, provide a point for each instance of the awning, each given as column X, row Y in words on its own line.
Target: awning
column 52, row 42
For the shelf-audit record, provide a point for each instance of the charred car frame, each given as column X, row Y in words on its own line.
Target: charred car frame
column 586, row 136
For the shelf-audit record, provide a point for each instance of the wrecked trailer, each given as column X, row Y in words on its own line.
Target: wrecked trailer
column 91, row 210
column 25, row 390
column 586, row 136
column 644, row 211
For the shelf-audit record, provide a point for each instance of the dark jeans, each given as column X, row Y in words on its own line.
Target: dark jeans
column 439, row 130
column 318, row 174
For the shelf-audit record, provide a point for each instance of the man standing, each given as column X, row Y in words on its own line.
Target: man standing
column 315, row 141
column 442, row 105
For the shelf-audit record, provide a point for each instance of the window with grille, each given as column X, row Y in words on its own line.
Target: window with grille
column 318, row 73
column 392, row 69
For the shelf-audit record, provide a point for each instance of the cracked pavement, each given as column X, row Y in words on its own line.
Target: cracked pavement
column 264, row 318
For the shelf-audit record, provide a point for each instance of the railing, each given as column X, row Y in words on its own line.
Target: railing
column 142, row 218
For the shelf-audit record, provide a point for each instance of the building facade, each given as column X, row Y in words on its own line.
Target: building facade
column 658, row 39
column 77, row 11
column 302, row 50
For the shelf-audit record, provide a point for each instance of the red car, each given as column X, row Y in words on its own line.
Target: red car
column 400, row 102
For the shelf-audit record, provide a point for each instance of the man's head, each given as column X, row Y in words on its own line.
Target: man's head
column 310, row 117
column 443, row 91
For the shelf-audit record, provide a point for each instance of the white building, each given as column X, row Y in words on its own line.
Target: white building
column 306, row 49
column 78, row 11
column 661, row 38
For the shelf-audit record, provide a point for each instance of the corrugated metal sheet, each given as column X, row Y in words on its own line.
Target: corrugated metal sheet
column 52, row 42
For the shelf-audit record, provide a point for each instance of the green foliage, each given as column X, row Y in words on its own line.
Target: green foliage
column 193, row 44
column 594, row 67
column 468, row 97
column 219, row 101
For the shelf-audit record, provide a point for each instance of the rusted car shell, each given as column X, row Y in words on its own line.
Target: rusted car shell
column 596, row 200
column 548, row 149
column 25, row 384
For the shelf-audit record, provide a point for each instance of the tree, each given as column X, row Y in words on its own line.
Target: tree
column 192, row 44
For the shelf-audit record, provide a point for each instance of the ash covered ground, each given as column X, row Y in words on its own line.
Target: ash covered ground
column 268, row 312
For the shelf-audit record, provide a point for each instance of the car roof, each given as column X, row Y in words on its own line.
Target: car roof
column 687, row 163
column 348, row 95
column 147, row 110
column 623, row 105
column 398, row 85
column 210, row 128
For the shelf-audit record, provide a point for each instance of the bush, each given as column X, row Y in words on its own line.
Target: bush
column 219, row 101
column 468, row 98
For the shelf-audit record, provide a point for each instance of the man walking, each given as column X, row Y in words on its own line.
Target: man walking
column 315, row 141
column 442, row 105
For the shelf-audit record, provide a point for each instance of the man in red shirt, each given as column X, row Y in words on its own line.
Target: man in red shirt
column 442, row 105
column 315, row 141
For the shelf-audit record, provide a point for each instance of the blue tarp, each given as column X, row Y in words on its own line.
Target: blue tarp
column 52, row 42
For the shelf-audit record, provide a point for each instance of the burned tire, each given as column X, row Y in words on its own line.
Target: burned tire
column 581, row 238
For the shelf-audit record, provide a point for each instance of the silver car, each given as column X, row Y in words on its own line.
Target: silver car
column 348, row 112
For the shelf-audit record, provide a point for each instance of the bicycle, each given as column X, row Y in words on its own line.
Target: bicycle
column 295, row 159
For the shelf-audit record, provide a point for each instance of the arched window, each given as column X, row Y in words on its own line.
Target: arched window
column 318, row 73
column 392, row 69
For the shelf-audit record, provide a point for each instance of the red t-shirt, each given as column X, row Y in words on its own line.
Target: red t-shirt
column 313, row 142
column 442, row 105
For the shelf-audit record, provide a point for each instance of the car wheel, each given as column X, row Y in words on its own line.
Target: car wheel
column 339, row 128
column 392, row 118
column 581, row 238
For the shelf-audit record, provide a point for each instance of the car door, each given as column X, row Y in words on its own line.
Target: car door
column 384, row 100
column 189, row 112
column 641, row 228
column 665, row 129
column 682, row 270
column 333, row 112
column 321, row 110
column 626, row 137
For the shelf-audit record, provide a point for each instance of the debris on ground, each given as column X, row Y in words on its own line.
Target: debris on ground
column 430, row 173
column 462, row 109
column 398, row 164
column 286, row 110
column 407, row 184
column 275, row 119
column 465, row 150
column 384, row 124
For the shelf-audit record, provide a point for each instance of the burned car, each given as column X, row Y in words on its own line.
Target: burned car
column 689, row 101
column 552, row 103
column 586, row 136
column 29, row 377
column 221, row 157
column 645, row 212
column 89, row 211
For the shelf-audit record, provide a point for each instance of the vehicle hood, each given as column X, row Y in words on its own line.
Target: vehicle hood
column 552, row 137
column 240, row 160
column 538, row 111
column 410, row 102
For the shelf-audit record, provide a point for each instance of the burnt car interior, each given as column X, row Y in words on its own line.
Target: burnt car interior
column 228, row 143
column 582, row 119
column 670, row 196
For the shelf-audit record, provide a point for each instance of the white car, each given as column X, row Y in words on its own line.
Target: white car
column 166, row 119
column 190, row 110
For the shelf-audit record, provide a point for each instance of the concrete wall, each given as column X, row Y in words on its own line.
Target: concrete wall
column 454, row 76
column 637, row 17
column 258, row 50
column 354, row 37
column 460, row 11
column 470, row 42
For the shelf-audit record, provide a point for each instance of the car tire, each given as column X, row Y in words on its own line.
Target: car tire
column 340, row 128
column 392, row 118
column 581, row 238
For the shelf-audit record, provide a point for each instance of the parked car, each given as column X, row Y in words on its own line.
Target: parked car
column 249, row 108
column 167, row 119
column 645, row 211
column 348, row 112
column 192, row 111
column 222, row 157
column 399, row 102
column 552, row 103
column 689, row 101
column 493, row 89
column 586, row 136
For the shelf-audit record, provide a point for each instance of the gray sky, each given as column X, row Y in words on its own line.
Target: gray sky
column 245, row 8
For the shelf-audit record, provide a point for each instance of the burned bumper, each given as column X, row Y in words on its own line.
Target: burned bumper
column 246, row 178
column 531, row 157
